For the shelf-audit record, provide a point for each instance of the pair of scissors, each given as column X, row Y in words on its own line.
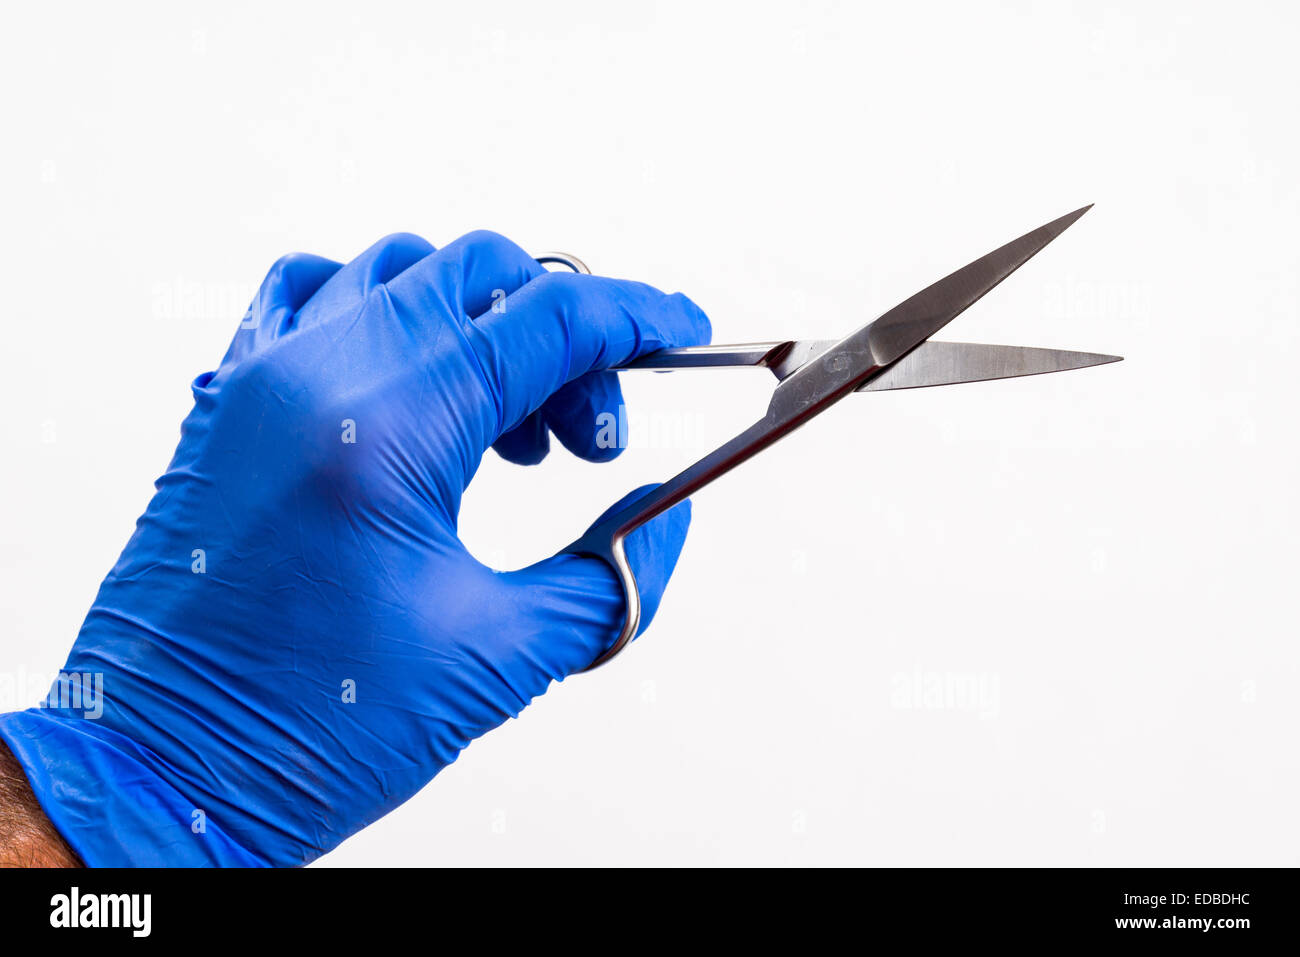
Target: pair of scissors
column 891, row 352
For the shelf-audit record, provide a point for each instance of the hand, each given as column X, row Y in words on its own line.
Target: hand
column 294, row 640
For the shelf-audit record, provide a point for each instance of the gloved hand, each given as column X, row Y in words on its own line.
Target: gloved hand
column 294, row 640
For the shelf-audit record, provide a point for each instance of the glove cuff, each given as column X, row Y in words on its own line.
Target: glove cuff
column 98, row 790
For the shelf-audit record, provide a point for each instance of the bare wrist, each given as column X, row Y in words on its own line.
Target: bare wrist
column 27, row 838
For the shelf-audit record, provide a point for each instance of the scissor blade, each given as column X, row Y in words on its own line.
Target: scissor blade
column 949, row 363
column 930, row 363
column 925, row 313
column 855, row 359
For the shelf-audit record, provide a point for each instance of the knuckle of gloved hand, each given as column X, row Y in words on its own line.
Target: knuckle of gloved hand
column 488, row 242
column 404, row 244
column 562, row 293
column 285, row 266
column 403, row 239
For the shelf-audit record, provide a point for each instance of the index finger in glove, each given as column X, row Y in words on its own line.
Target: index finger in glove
column 562, row 326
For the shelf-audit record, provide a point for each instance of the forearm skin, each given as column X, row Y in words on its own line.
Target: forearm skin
column 27, row 838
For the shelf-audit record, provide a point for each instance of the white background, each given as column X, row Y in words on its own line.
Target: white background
column 1105, row 557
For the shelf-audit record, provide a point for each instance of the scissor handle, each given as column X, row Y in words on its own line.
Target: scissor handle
column 602, row 542
column 564, row 259
column 606, row 539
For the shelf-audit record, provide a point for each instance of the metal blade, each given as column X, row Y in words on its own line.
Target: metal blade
column 930, row 363
column 949, row 363
column 853, row 360
column 925, row 313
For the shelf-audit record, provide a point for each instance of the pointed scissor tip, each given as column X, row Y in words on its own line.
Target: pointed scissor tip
column 1058, row 226
column 1097, row 359
column 1085, row 360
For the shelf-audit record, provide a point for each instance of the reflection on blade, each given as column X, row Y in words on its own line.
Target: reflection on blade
column 948, row 363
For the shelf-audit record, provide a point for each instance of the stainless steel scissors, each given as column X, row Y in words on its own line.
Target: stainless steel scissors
column 892, row 352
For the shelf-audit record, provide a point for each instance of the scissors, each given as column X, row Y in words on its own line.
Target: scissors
column 891, row 352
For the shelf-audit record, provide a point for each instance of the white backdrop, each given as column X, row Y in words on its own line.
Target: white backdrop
column 1099, row 566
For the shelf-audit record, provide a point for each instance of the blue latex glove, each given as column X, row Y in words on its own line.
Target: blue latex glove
column 320, row 474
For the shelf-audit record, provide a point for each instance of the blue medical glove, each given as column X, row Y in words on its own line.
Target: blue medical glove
column 294, row 640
